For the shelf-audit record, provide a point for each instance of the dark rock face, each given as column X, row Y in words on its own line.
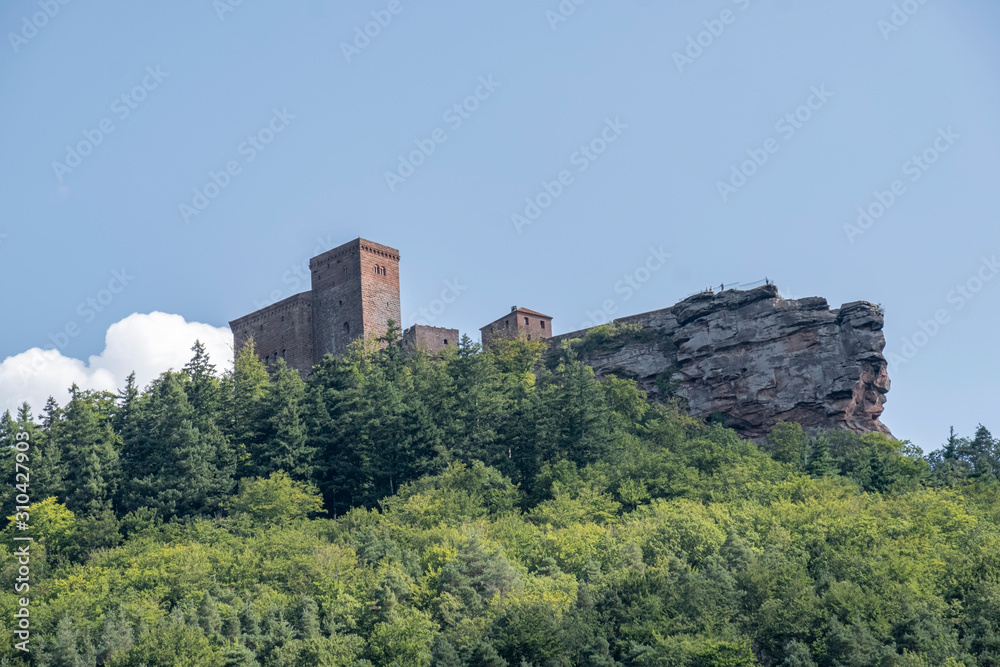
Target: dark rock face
column 759, row 359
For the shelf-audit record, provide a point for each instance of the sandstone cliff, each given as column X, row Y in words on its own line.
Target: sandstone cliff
column 753, row 357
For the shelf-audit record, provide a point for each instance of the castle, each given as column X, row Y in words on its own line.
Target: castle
column 747, row 354
column 355, row 293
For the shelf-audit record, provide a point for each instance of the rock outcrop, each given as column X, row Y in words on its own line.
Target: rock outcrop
column 754, row 358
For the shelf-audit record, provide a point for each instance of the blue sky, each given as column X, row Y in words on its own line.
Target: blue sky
column 198, row 80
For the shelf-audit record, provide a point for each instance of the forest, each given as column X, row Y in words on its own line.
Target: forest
column 483, row 508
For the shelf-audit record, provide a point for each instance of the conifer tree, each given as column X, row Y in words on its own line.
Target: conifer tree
column 248, row 386
column 821, row 462
column 49, row 470
column 203, row 392
column 283, row 444
column 89, row 449
column 125, row 412
column 173, row 465
column 115, row 636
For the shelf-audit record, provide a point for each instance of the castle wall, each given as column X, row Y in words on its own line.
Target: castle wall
column 430, row 339
column 283, row 329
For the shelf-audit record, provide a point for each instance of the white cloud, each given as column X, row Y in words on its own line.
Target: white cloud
column 147, row 344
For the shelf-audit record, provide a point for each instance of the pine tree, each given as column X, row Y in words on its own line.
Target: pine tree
column 203, row 392
column 125, row 412
column 981, row 453
column 248, row 386
column 48, row 474
column 89, row 449
column 174, row 465
column 208, row 615
column 115, row 636
column 284, row 444
column 308, row 622
column 63, row 649
column 821, row 462
column 478, row 403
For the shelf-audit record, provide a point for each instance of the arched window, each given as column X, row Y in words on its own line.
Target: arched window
column 267, row 360
column 347, row 327
column 282, row 353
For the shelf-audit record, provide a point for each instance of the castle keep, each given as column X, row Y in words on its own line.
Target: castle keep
column 355, row 292
column 749, row 355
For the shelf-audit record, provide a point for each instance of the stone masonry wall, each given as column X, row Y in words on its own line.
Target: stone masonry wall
column 337, row 302
column 515, row 324
column 283, row 329
column 430, row 339
column 379, row 297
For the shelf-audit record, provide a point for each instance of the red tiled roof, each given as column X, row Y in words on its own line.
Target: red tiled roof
column 533, row 312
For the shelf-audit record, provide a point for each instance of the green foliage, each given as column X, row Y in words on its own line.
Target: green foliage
column 487, row 510
column 276, row 499
column 612, row 335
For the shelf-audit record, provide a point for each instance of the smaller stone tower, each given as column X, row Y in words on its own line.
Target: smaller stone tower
column 430, row 339
column 518, row 322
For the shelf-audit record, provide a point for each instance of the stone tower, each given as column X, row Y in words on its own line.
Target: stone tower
column 518, row 323
column 355, row 291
